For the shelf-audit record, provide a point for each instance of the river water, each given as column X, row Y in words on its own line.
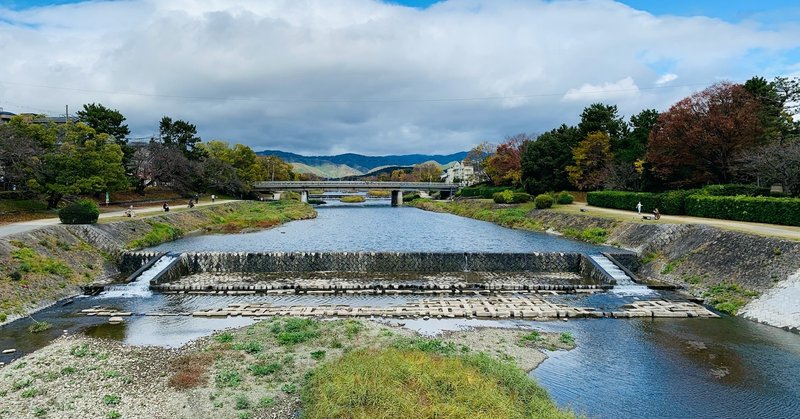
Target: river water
column 698, row 368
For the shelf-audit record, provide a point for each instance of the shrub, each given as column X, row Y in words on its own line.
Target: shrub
column 81, row 212
column 543, row 201
column 785, row 211
column 410, row 197
column 565, row 198
column 504, row 197
column 260, row 370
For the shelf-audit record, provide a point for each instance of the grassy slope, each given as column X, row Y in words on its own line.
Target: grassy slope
column 52, row 263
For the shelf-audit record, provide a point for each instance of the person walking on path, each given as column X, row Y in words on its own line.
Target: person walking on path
column 656, row 214
column 166, row 207
column 639, row 207
column 213, row 198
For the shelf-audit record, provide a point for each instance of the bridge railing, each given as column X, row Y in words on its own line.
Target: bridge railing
column 284, row 185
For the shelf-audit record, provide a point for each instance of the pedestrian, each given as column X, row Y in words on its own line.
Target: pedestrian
column 191, row 203
column 639, row 207
column 166, row 207
column 213, row 198
column 656, row 214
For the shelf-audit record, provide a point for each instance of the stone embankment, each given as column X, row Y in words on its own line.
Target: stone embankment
column 726, row 268
column 44, row 265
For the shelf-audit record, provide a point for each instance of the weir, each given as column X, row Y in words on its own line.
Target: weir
column 378, row 272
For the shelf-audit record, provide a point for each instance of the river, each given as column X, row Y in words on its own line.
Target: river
column 699, row 368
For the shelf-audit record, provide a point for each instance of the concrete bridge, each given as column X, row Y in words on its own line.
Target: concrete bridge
column 397, row 188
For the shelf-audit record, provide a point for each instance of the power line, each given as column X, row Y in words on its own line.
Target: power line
column 349, row 100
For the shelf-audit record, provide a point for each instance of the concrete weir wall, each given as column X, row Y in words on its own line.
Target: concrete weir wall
column 379, row 262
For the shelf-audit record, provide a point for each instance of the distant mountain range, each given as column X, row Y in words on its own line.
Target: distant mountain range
column 350, row 164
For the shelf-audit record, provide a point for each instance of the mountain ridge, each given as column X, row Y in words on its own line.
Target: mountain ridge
column 362, row 163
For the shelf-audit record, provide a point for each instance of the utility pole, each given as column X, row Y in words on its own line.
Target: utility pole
column 66, row 113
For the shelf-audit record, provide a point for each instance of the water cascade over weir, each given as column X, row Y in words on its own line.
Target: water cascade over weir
column 139, row 287
column 625, row 285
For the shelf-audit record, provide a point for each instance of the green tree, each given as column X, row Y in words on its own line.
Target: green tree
column 545, row 160
column 593, row 161
column 21, row 147
column 182, row 135
column 634, row 145
column 82, row 162
column 603, row 118
column 105, row 121
column 778, row 103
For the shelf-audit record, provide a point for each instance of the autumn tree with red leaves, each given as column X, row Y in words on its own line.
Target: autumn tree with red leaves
column 698, row 139
column 504, row 167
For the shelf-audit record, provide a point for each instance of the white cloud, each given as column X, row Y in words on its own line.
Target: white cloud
column 609, row 91
column 362, row 75
column 666, row 78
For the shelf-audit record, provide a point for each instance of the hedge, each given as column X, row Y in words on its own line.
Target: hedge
column 734, row 190
column 672, row 202
column 564, row 198
column 81, row 212
column 785, row 211
column 482, row 191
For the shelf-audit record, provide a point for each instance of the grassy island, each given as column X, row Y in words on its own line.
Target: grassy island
column 353, row 199
column 281, row 366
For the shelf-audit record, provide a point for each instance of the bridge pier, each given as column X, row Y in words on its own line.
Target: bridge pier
column 304, row 196
column 397, row 198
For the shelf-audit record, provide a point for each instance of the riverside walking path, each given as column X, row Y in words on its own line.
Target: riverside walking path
column 26, row 226
column 770, row 230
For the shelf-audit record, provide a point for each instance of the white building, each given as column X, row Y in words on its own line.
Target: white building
column 459, row 173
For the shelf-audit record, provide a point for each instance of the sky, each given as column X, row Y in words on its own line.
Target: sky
column 378, row 77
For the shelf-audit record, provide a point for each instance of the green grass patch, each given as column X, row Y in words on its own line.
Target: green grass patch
column 532, row 337
column 228, row 378
column 318, row 355
column 595, row 235
column 251, row 347
column 728, row 298
column 402, row 383
column 161, row 233
column 224, row 337
column 111, row 399
column 261, row 370
column 249, row 215
column 515, row 216
column 295, row 330
column 39, row 327
column 567, row 339
column 31, row 262
column 352, row 199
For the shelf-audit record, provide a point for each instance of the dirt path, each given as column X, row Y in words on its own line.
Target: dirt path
column 770, row 230
column 25, row 226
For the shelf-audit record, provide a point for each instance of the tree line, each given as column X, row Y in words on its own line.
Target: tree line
column 93, row 156
column 727, row 133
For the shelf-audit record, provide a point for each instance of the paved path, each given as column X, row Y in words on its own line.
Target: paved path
column 26, row 226
column 760, row 229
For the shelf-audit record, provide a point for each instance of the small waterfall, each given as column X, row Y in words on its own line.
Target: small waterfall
column 139, row 287
column 625, row 285
column 466, row 263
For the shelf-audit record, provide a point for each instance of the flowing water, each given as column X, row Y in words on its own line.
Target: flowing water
column 698, row 368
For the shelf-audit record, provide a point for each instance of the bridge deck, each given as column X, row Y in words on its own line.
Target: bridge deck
column 357, row 185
